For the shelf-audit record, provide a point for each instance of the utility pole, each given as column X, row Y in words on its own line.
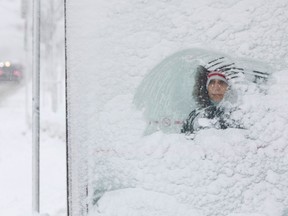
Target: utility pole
column 36, row 108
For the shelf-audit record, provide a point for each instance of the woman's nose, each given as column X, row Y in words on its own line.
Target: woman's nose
column 217, row 86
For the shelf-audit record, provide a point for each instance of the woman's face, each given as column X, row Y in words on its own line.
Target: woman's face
column 216, row 90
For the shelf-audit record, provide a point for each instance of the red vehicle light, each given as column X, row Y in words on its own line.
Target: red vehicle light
column 16, row 73
column 1, row 72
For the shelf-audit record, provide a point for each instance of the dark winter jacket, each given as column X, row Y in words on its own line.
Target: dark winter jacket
column 211, row 116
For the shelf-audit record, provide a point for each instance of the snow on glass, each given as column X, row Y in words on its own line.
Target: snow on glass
column 141, row 167
column 216, row 173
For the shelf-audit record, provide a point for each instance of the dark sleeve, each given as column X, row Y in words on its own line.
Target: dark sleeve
column 188, row 123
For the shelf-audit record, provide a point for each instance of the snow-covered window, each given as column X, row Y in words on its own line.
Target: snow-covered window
column 131, row 69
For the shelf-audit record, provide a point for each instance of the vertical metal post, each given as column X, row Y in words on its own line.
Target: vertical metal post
column 68, row 148
column 36, row 109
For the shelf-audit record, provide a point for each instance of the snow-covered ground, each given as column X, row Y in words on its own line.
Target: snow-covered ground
column 16, row 158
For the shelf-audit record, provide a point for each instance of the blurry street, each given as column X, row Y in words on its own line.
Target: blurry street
column 8, row 88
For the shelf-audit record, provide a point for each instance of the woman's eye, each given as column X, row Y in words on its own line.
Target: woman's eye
column 212, row 82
